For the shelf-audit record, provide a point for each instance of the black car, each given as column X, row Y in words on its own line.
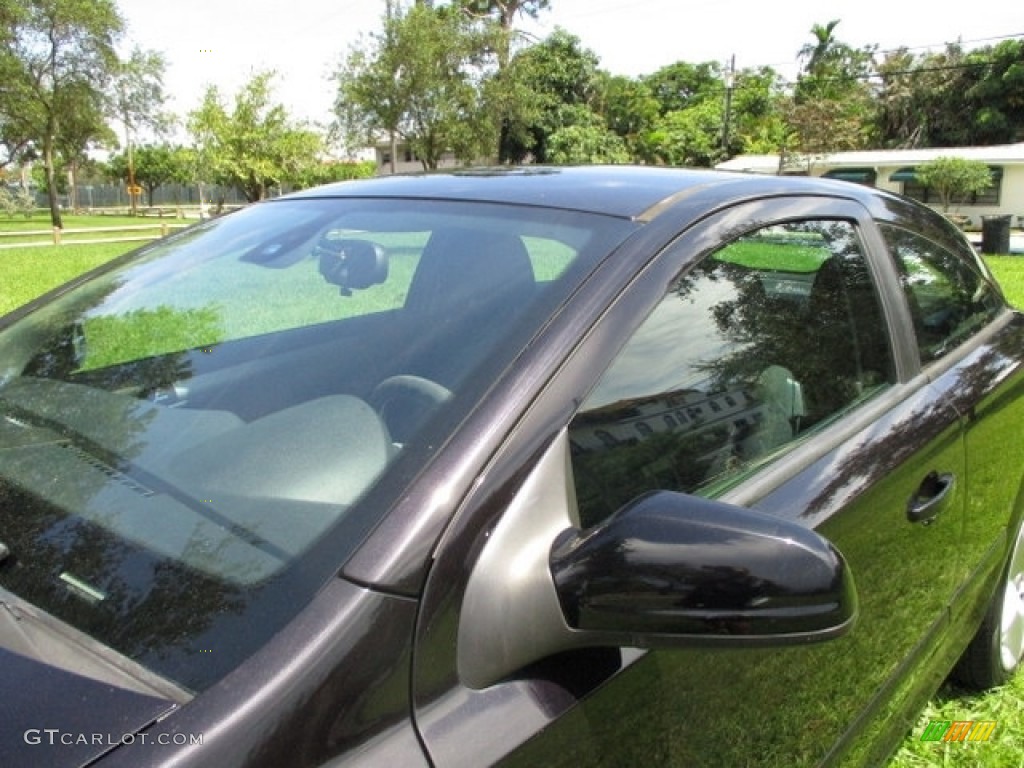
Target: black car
column 616, row 466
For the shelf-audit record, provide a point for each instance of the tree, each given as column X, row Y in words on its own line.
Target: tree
column 758, row 112
column 953, row 98
column 559, row 84
column 505, row 12
column 953, row 178
column 586, row 144
column 83, row 127
column 897, row 120
column 818, row 127
column 17, row 201
column 255, row 145
column 681, row 85
column 153, row 165
column 58, row 56
column 136, row 99
column 629, row 110
column 15, row 134
column 831, row 106
column 690, row 136
column 996, row 99
column 832, row 69
column 506, row 99
column 420, row 79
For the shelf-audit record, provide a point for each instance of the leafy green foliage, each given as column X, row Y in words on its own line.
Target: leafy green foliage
column 690, row 136
column 951, row 97
column 586, row 144
column 328, row 172
column 831, row 105
column 255, row 144
column 16, row 202
column 57, row 56
column 558, row 80
column 954, row 178
column 420, row 79
column 629, row 107
column 155, row 164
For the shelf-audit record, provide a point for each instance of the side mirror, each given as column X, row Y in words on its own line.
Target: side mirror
column 667, row 570
column 352, row 264
column 671, row 569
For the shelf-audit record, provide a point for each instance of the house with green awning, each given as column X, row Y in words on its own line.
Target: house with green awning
column 894, row 170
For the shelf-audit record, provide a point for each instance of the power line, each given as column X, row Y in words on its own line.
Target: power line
column 958, row 42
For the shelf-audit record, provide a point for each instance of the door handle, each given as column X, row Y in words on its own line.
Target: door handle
column 931, row 497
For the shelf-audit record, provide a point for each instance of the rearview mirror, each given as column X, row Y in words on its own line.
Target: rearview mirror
column 352, row 264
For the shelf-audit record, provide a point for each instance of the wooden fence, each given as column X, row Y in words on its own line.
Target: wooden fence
column 56, row 236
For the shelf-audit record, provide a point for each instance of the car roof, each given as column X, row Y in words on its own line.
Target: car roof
column 633, row 192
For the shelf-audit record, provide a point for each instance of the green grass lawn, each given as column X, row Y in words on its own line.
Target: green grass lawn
column 26, row 273
column 1009, row 271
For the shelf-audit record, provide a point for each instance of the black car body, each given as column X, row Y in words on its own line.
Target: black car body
column 609, row 466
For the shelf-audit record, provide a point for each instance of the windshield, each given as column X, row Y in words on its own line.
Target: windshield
column 196, row 439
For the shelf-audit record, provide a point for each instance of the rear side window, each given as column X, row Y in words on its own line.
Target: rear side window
column 949, row 297
column 769, row 337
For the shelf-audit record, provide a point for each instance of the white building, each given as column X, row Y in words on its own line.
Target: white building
column 893, row 170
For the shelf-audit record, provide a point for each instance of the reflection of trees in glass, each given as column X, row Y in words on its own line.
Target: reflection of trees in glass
column 141, row 350
column 825, row 327
column 797, row 297
column 150, row 606
column 948, row 299
column 607, row 479
column 143, row 333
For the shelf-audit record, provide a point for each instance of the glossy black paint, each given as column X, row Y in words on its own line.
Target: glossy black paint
column 851, row 699
column 367, row 673
column 333, row 683
column 668, row 569
column 69, row 719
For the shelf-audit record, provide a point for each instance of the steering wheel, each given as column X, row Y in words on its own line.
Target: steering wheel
column 405, row 402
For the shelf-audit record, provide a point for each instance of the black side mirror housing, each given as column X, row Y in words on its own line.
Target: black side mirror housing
column 670, row 570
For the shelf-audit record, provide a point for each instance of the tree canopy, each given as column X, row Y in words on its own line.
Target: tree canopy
column 58, row 54
column 953, row 178
column 252, row 145
column 456, row 79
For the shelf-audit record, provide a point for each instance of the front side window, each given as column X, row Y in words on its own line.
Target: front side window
column 768, row 338
column 949, row 296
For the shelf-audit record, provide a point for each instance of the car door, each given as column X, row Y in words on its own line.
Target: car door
column 970, row 346
column 753, row 362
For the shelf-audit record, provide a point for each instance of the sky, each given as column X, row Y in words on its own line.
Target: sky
column 223, row 43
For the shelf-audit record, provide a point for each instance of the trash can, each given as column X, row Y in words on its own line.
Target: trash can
column 995, row 234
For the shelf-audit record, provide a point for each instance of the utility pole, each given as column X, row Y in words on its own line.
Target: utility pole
column 730, row 78
column 394, row 141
